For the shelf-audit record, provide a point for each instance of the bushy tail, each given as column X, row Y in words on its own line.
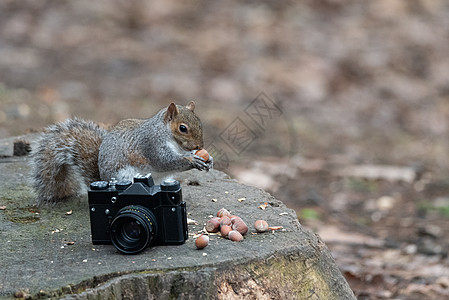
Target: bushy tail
column 65, row 159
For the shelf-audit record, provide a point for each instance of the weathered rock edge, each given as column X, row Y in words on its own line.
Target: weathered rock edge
column 37, row 262
column 284, row 275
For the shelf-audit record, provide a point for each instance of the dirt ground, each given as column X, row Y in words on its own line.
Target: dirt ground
column 338, row 107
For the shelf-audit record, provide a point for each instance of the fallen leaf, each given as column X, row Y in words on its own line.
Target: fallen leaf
column 2, row 207
column 71, row 243
column 443, row 281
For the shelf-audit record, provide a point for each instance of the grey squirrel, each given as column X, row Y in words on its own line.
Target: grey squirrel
column 71, row 154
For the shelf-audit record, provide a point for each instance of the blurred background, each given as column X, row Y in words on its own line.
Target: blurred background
column 337, row 107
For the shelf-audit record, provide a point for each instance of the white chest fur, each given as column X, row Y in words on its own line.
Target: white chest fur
column 173, row 146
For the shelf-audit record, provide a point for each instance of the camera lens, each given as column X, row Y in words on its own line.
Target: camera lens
column 133, row 229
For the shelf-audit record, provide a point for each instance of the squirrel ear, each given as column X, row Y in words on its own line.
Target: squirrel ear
column 191, row 105
column 171, row 113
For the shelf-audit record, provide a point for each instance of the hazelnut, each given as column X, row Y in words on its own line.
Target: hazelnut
column 225, row 229
column 235, row 236
column 240, row 226
column 235, row 218
column 203, row 154
column 261, row 225
column 202, row 241
column 225, row 220
column 213, row 225
column 223, row 212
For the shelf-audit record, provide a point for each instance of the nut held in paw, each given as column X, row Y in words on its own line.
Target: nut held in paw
column 203, row 154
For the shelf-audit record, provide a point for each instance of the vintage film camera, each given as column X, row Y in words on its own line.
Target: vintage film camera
column 133, row 216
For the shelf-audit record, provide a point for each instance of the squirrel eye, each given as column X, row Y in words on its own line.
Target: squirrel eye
column 183, row 128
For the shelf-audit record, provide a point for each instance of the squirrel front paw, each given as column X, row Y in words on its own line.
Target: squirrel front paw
column 200, row 159
column 199, row 163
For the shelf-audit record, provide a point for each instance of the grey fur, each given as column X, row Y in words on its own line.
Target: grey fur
column 71, row 154
column 58, row 170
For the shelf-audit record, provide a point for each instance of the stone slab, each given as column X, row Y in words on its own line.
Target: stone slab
column 47, row 252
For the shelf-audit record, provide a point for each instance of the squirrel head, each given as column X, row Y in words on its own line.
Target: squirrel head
column 185, row 126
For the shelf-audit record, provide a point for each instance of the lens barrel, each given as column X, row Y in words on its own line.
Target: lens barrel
column 133, row 229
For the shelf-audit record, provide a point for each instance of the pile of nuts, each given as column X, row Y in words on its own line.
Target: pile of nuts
column 230, row 226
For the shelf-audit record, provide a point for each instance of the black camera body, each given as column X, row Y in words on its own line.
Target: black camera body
column 134, row 216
